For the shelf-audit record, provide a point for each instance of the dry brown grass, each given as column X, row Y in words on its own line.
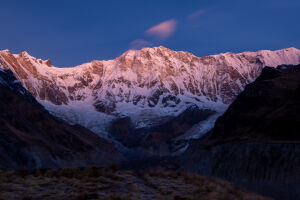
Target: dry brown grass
column 113, row 184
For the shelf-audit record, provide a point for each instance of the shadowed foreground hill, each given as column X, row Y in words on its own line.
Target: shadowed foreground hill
column 31, row 138
column 256, row 143
column 111, row 184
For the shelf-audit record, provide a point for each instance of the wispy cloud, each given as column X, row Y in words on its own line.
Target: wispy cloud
column 163, row 30
column 195, row 14
column 139, row 43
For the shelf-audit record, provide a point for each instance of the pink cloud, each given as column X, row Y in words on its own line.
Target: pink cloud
column 163, row 30
column 139, row 43
column 195, row 14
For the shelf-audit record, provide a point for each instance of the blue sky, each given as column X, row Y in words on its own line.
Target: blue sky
column 71, row 32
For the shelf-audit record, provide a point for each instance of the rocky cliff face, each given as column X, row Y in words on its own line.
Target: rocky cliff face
column 31, row 138
column 256, row 142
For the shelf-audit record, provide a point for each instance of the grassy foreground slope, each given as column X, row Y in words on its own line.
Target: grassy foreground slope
column 110, row 183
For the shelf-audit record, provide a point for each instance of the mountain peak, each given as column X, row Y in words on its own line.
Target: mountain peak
column 48, row 63
column 134, row 52
column 25, row 54
column 155, row 49
column 162, row 47
column 291, row 48
column 6, row 51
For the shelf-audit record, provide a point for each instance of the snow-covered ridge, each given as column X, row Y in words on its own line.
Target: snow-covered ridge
column 142, row 83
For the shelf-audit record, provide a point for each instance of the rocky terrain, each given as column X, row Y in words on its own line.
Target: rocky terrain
column 32, row 138
column 256, row 142
column 144, row 90
column 112, row 184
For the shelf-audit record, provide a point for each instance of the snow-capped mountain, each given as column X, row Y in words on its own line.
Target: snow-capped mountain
column 148, row 85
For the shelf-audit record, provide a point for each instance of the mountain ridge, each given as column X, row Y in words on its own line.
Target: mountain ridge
column 146, row 84
column 137, row 50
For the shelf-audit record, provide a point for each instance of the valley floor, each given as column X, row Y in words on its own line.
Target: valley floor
column 110, row 183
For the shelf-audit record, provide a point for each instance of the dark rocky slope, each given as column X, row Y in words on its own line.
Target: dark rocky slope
column 32, row 138
column 256, row 143
column 160, row 139
column 267, row 111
